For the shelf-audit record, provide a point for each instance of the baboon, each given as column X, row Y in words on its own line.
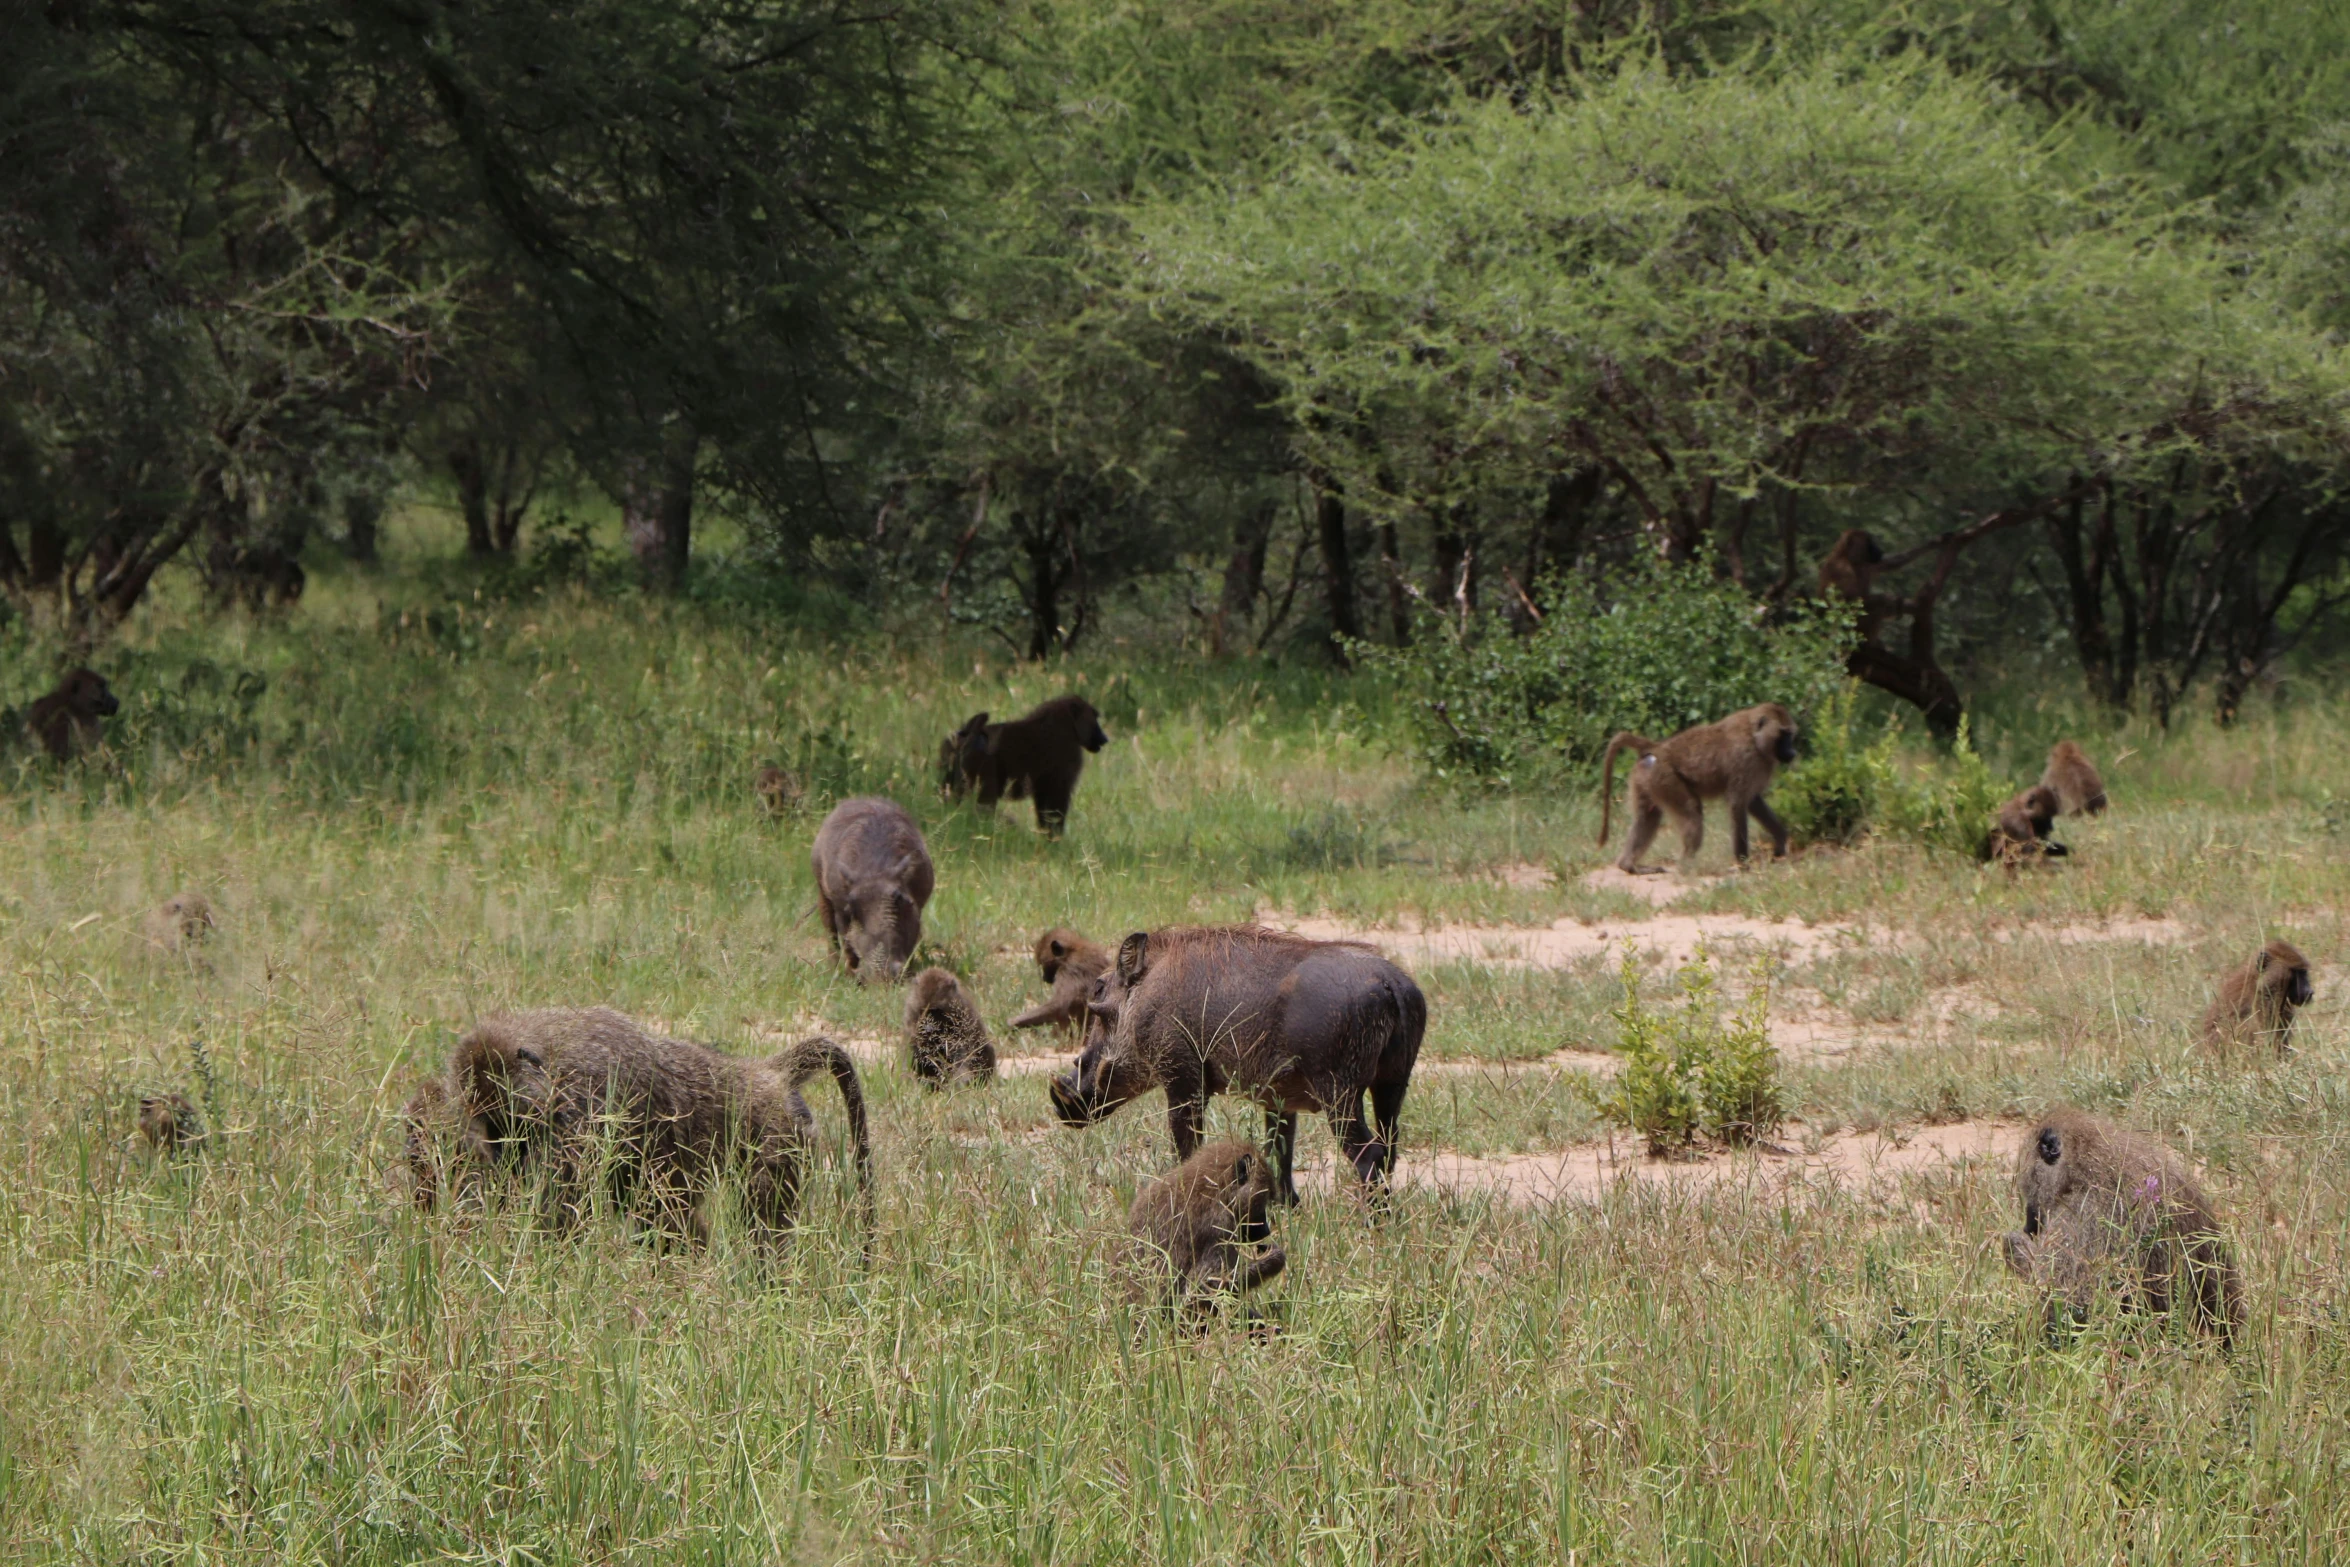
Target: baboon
column 2106, row 1206
column 1293, row 1023
column 69, row 720
column 1730, row 759
column 1849, row 570
column 873, row 877
column 170, row 1124
column 779, row 792
column 1039, row 755
column 1196, row 1229
column 1070, row 964
column 2072, row 777
column 2021, row 832
column 179, row 924
column 2258, row 997
column 945, row 1038
column 562, row 1092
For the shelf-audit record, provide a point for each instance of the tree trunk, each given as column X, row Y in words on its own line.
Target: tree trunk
column 1338, row 570
column 1399, row 611
column 1042, row 545
column 657, row 509
column 473, row 493
column 362, row 511
column 1244, row 578
column 1445, row 575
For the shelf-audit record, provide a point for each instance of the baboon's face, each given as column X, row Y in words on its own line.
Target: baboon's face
column 87, row 694
column 1089, row 728
column 2286, row 973
column 1775, row 738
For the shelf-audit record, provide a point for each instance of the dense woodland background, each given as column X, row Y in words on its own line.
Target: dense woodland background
column 1272, row 329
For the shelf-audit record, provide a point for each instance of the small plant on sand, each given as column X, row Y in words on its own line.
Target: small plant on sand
column 1688, row 1069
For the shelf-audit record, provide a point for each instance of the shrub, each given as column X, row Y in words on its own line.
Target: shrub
column 1686, row 1069
column 1830, row 794
column 1654, row 649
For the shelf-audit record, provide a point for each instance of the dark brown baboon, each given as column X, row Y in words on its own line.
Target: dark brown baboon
column 1730, row 759
column 1039, row 755
column 1849, row 571
column 2106, row 1206
column 69, row 720
column 1294, row 1024
column 180, row 924
column 1197, row 1229
column 779, row 792
column 1070, row 964
column 170, row 1124
column 873, row 877
column 2021, row 832
column 563, row 1093
column 2258, row 997
column 945, row 1039
column 2072, row 777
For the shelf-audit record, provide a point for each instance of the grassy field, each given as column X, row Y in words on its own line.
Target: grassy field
column 425, row 798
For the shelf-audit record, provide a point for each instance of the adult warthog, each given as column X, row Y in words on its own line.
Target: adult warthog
column 1292, row 1023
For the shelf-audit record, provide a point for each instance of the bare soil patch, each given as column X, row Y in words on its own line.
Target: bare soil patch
column 1566, row 942
column 1525, row 876
column 1656, row 890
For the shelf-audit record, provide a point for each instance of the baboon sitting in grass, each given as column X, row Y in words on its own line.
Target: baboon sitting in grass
column 179, row 925
column 1197, row 1229
column 946, row 1041
column 567, row 1094
column 1070, row 964
column 2021, row 833
column 170, row 1124
column 70, row 720
column 778, row 791
column 1731, row 759
column 2258, row 999
column 2105, row 1207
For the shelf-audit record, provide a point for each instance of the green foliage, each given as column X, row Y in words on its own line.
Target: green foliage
column 1944, row 803
column 1830, row 794
column 1661, row 647
column 1688, row 1069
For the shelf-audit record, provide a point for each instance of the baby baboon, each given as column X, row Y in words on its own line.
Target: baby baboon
column 1070, row 964
column 873, row 877
column 180, row 924
column 2106, row 1206
column 2022, row 830
column 2258, row 997
column 566, row 1093
column 1730, row 759
column 67, row 721
column 170, row 1124
column 2073, row 778
column 945, row 1038
column 779, row 792
column 1196, row 1229
column 1040, row 755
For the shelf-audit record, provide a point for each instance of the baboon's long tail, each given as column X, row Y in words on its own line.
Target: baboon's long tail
column 1625, row 740
column 821, row 1054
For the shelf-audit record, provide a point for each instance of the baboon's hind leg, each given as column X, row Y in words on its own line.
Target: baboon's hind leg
column 1647, row 819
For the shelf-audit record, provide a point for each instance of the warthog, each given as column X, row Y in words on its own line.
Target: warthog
column 873, row 876
column 1294, row 1024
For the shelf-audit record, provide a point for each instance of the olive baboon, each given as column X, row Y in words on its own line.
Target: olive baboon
column 2106, row 1206
column 1196, row 1229
column 2021, row 832
column 1295, row 1024
column 170, row 1124
column 1039, row 755
column 1070, row 964
column 179, row 924
column 945, row 1039
column 69, row 720
column 564, row 1092
column 778, row 791
column 2258, row 997
column 2072, row 777
column 1730, row 759
column 1849, row 570
column 873, row 877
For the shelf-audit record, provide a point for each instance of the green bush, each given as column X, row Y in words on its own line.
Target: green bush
column 1689, row 1070
column 1843, row 790
column 1654, row 649
column 1947, row 803
column 1830, row 794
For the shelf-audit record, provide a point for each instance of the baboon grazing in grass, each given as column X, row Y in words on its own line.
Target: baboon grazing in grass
column 778, row 791
column 2258, row 998
column 170, row 1124
column 2072, row 777
column 1198, row 1229
column 565, row 1094
column 71, row 719
column 873, row 877
column 179, row 924
column 2021, row 833
column 946, row 1041
column 1294, row 1024
column 2107, row 1207
column 1730, row 759
column 1039, row 756
column 1070, row 964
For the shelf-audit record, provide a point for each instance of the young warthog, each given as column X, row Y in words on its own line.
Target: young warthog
column 1292, row 1023
column 873, row 876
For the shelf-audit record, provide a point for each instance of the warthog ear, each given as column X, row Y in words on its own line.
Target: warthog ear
column 1134, row 958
